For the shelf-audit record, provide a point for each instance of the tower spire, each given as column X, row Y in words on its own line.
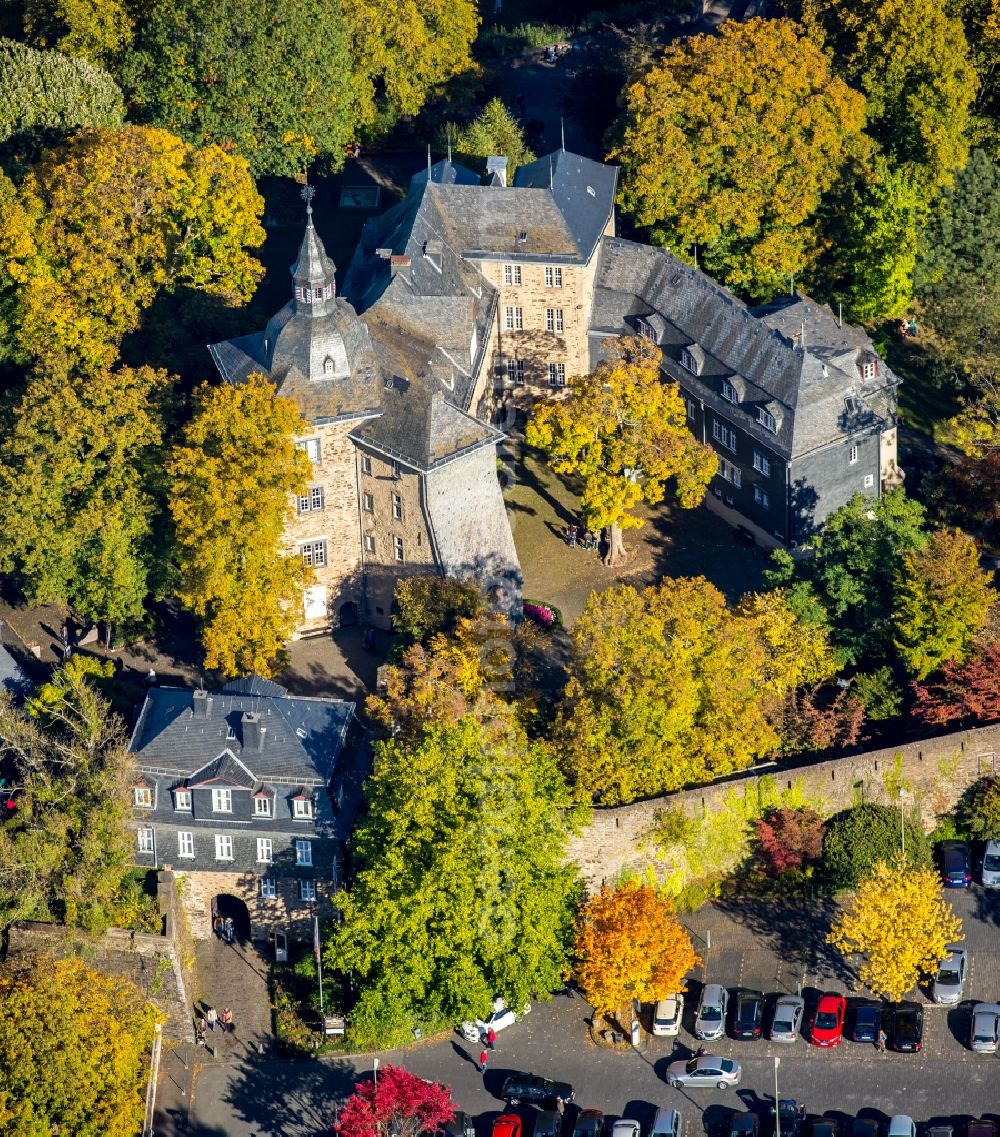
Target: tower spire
column 313, row 272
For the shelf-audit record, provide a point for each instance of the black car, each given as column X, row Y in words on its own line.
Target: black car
column 743, row 1125
column 906, row 1027
column 548, row 1123
column 956, row 864
column 537, row 1090
column 589, row 1123
column 792, row 1115
column 940, row 1131
column 864, row 1127
column 748, row 1014
column 824, row 1127
column 460, row 1125
column 867, row 1021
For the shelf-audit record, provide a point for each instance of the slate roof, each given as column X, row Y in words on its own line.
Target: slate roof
column 302, row 740
column 12, row 678
column 447, row 173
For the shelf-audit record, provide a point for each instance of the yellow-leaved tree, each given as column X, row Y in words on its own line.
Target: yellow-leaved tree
column 231, row 481
column 630, row 945
column 900, row 923
column 623, row 431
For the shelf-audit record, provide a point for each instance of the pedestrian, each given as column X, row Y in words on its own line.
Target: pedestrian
column 880, row 1042
column 200, row 1031
column 227, row 1020
column 211, row 1017
column 560, row 1106
column 64, row 635
column 483, row 1059
column 491, row 1039
column 217, row 926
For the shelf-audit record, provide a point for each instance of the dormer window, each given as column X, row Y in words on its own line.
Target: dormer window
column 302, row 807
column 328, row 366
column 222, row 801
column 767, row 420
column 645, row 330
column 869, row 369
column 143, row 796
column 729, row 392
column 262, row 805
column 182, row 800
column 692, row 359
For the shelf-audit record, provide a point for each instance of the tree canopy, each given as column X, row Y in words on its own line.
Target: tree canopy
column 624, row 432
column 969, row 690
column 730, row 142
column 858, row 839
column 669, row 687
column 399, row 1103
column 494, row 131
column 96, row 30
column 73, row 1046
column 427, row 605
column 231, row 480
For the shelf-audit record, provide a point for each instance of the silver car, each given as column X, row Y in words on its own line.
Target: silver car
column 626, row 1127
column 984, row 1029
column 949, row 983
column 711, row 1021
column 787, row 1019
column 991, row 865
column 708, row 1070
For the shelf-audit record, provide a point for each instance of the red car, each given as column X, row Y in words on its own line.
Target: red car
column 827, row 1026
column 507, row 1125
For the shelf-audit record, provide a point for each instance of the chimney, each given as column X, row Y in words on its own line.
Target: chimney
column 399, row 265
column 496, row 164
column 253, row 731
column 202, row 704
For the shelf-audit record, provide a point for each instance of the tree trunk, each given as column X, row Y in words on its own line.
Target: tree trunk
column 616, row 545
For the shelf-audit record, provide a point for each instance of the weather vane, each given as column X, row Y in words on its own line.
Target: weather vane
column 308, row 193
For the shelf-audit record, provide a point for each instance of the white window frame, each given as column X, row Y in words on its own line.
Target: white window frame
column 869, row 370
column 399, row 549
column 397, row 507
column 369, row 543
column 313, row 553
column 183, row 801
column 302, row 809
column 185, row 844
column 262, row 807
column 730, row 473
column 689, row 405
column 761, row 463
column 307, row 891
column 313, row 501
column 313, row 449
column 268, row 888
column 688, row 361
column 852, row 455
column 222, row 801
column 143, row 797
column 514, row 319
column 366, row 464
column 553, row 277
column 724, row 434
column 223, row 847
column 869, row 481
column 512, row 275
column 145, row 841
column 729, row 392
column 767, row 420
column 761, row 497
column 303, row 853
column 368, row 503
column 554, row 320
column 556, row 374
column 265, row 851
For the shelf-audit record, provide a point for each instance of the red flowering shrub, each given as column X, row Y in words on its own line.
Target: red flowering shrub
column 542, row 615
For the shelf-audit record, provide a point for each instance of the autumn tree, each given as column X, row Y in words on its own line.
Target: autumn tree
column 900, row 924
column 820, row 717
column 969, row 690
column 979, row 810
column 104, row 223
column 49, row 89
column 623, row 431
column 427, row 605
column 462, row 891
column 399, row 1103
column 669, row 687
column 630, row 945
column 943, row 598
column 205, row 69
column 232, row 478
column 494, row 131
column 975, row 430
column 77, row 496
column 95, row 30
column 730, row 142
column 790, row 840
column 856, row 840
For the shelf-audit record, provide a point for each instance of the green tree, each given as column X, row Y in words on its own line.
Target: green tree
column 427, row 605
column 848, row 583
column 668, row 687
column 73, row 1049
column 95, row 30
column 943, row 599
column 494, row 131
column 76, row 500
column 462, row 891
column 730, row 143
column 232, row 478
column 858, row 839
column 975, row 430
column 979, row 810
column 48, row 89
column 624, row 432
column 911, row 59
column 106, row 221
column 65, row 851
column 271, row 80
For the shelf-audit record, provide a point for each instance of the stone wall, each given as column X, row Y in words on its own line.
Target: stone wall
column 932, row 774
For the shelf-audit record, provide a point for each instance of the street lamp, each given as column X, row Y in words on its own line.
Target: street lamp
column 777, row 1100
column 375, row 1071
column 902, row 825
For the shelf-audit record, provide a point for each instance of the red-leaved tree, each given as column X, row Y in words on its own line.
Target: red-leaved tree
column 401, row 1104
column 958, row 691
column 789, row 839
column 820, row 718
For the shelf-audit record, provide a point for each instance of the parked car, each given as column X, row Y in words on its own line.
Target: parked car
column 982, row 1128
column 786, row 1022
column 991, row 865
column 901, row 1126
column 824, row 1127
column 507, row 1125
column 744, row 1125
column 791, row 1115
column 626, row 1127
column 748, row 1014
column 867, row 1021
column 667, row 1123
column 864, row 1127
column 709, row 1070
column 460, row 1125
column 711, row 1021
column 984, row 1029
column 498, row 1019
column 956, row 864
column 667, row 1015
column 940, row 1131
column 949, row 983
column 906, row 1027
column 589, row 1123
column 827, row 1025
column 537, row 1090
column 548, row 1123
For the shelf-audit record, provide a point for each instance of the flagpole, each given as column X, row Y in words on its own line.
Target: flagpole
column 319, row 960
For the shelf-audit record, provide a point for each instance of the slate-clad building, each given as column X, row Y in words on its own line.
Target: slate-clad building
column 232, row 794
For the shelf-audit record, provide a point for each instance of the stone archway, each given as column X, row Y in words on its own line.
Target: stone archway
column 225, row 905
column 348, row 614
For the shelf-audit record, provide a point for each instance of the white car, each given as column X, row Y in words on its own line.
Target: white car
column 991, row 865
column 499, row 1019
column 626, row 1127
column 667, row 1016
column 901, row 1126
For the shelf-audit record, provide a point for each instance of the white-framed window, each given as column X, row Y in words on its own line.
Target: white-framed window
column 512, row 274
column 556, row 374
column 729, row 392
column 262, row 807
column 366, row 464
column 852, row 455
column 761, row 463
column 730, row 472
column 553, row 278
column 369, row 543
column 268, row 888
column 312, row 448
column 265, row 850
column 724, row 434
column 144, row 840
column 869, row 481
column 222, row 801
column 307, row 890
column 367, row 503
column 313, row 553
column 230, row 733
column 761, row 497
column 302, row 809
column 185, row 844
column 688, row 361
column 397, row 544
column 312, row 501
column 869, row 370
column 397, row 469
column 767, row 420
column 143, row 797
column 515, row 371
column 182, row 800
column 304, row 853
column 397, row 507
column 689, row 404
column 553, row 319
column 223, row 847
column 514, row 319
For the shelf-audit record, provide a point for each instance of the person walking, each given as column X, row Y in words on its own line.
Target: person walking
column 227, row 1020
column 491, row 1039
column 483, row 1060
column 211, row 1017
column 200, row 1031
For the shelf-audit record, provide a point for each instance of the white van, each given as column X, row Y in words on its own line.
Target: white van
column 667, row 1123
